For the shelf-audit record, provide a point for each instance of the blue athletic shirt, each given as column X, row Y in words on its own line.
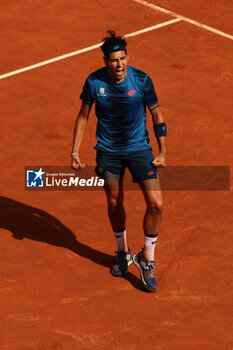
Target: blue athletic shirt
column 120, row 109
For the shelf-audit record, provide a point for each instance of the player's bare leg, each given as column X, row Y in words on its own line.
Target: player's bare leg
column 153, row 215
column 117, row 217
column 115, row 197
column 144, row 260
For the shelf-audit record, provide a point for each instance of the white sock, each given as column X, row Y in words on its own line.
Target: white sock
column 120, row 237
column 149, row 246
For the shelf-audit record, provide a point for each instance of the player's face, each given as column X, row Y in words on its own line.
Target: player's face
column 117, row 64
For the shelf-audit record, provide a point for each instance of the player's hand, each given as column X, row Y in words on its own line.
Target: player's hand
column 159, row 161
column 76, row 163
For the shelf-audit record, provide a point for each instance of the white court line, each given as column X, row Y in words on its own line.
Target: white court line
column 89, row 48
column 153, row 27
column 186, row 19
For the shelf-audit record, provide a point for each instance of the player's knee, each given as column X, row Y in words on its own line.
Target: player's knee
column 155, row 207
column 115, row 200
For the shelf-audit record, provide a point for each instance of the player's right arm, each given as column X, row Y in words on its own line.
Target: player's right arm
column 79, row 130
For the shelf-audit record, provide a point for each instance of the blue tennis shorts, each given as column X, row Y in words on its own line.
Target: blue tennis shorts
column 139, row 164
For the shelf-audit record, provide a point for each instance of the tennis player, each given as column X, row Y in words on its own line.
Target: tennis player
column 121, row 94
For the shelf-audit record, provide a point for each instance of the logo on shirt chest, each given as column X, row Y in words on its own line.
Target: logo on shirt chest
column 131, row 92
column 102, row 92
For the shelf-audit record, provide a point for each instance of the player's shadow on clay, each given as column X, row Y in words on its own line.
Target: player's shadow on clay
column 25, row 221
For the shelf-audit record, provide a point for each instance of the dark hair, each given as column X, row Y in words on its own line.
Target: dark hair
column 110, row 41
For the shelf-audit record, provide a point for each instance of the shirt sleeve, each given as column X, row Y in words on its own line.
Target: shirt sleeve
column 150, row 97
column 87, row 92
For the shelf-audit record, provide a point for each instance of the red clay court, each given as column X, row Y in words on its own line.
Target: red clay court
column 56, row 247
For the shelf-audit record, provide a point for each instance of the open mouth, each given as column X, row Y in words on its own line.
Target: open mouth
column 120, row 72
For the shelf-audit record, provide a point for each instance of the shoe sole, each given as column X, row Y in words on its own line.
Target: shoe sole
column 130, row 262
column 142, row 278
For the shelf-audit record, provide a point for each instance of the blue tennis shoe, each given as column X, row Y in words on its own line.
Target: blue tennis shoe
column 147, row 269
column 123, row 261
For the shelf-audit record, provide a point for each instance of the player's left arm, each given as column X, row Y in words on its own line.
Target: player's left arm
column 158, row 125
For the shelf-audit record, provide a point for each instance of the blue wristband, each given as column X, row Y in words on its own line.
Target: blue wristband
column 160, row 129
